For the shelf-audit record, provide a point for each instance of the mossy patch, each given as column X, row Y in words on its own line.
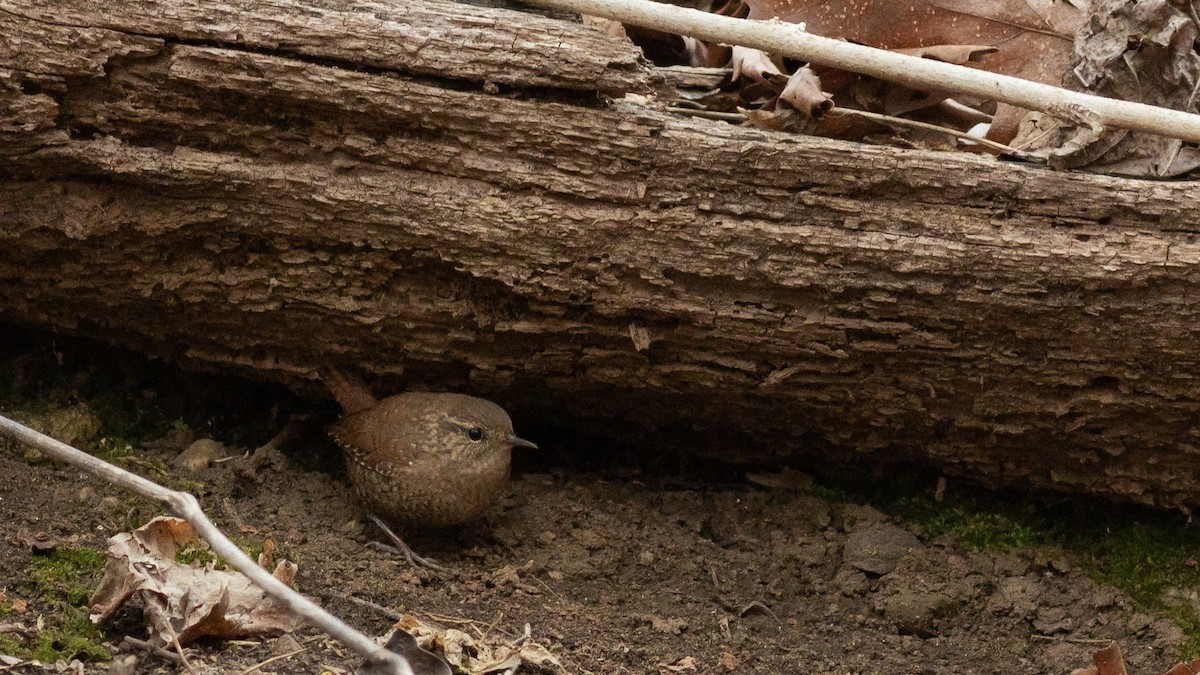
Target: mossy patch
column 62, row 582
column 1152, row 555
column 135, row 398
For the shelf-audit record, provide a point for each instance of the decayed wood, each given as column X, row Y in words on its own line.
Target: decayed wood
column 748, row 293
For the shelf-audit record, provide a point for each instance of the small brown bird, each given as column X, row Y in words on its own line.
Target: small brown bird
column 423, row 459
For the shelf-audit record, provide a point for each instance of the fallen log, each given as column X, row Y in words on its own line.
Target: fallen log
column 443, row 196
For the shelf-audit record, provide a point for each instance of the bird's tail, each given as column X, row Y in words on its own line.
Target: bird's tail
column 349, row 391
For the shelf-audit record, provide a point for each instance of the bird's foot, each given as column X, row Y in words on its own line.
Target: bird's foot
column 402, row 549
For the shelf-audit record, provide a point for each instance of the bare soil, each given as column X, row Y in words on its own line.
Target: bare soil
column 618, row 569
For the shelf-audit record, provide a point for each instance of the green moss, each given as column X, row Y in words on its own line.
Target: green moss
column 1151, row 555
column 981, row 530
column 66, row 576
column 1153, row 559
column 137, row 399
column 10, row 645
column 63, row 582
column 112, row 449
column 196, row 552
column 73, row 636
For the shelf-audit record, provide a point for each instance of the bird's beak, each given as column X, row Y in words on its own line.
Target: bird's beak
column 517, row 440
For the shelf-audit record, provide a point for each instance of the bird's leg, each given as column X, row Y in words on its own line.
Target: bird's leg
column 401, row 548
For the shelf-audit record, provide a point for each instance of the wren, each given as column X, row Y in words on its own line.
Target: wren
column 423, row 459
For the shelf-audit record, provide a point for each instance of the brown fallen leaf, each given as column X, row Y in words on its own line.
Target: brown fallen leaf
column 753, row 63
column 1138, row 51
column 477, row 657
column 1109, row 661
column 186, row 600
column 1186, row 668
column 1032, row 39
column 686, row 663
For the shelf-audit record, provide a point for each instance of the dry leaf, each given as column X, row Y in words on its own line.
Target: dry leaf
column 787, row 479
column 1031, row 39
column 803, row 92
column 1109, row 661
column 1138, row 51
column 686, row 663
column 753, row 63
column 189, row 601
column 476, row 657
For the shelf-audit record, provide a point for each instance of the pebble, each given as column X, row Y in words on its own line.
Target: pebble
column 878, row 548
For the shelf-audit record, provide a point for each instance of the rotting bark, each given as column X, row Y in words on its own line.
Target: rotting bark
column 237, row 192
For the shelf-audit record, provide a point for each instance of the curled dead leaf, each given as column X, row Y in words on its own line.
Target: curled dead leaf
column 803, row 92
column 753, row 63
column 476, row 656
column 184, row 600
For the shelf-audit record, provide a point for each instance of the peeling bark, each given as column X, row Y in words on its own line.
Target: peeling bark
column 292, row 184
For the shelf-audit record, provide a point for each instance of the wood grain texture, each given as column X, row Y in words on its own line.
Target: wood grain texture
column 756, row 294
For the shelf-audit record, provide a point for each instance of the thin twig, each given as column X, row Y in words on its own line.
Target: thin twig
column 917, row 124
column 708, row 114
column 792, row 40
column 178, row 647
column 386, row 611
column 1072, row 640
column 186, row 506
column 158, row 651
column 273, row 659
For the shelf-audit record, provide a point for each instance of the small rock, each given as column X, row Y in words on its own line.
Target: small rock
column 200, row 455
column 1016, row 595
column 669, row 626
column 877, row 548
column 917, row 612
column 1051, row 620
column 85, row 494
column 853, row 515
column 645, row 558
column 284, row 644
column 851, row 582
column 76, row 425
column 174, row 440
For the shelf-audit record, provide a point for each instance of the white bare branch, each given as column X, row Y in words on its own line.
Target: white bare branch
column 186, row 506
column 792, row 40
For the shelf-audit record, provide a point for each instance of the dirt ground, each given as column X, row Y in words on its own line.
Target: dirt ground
column 619, row 569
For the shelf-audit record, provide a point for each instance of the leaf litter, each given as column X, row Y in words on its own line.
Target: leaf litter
column 1139, row 51
column 185, row 601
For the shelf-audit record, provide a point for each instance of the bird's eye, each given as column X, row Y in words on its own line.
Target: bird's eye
column 475, row 434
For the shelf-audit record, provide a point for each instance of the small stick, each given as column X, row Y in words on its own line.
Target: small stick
column 708, row 114
column 158, row 651
column 386, row 611
column 917, row 124
column 187, row 507
column 273, row 659
column 178, row 647
column 792, row 40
